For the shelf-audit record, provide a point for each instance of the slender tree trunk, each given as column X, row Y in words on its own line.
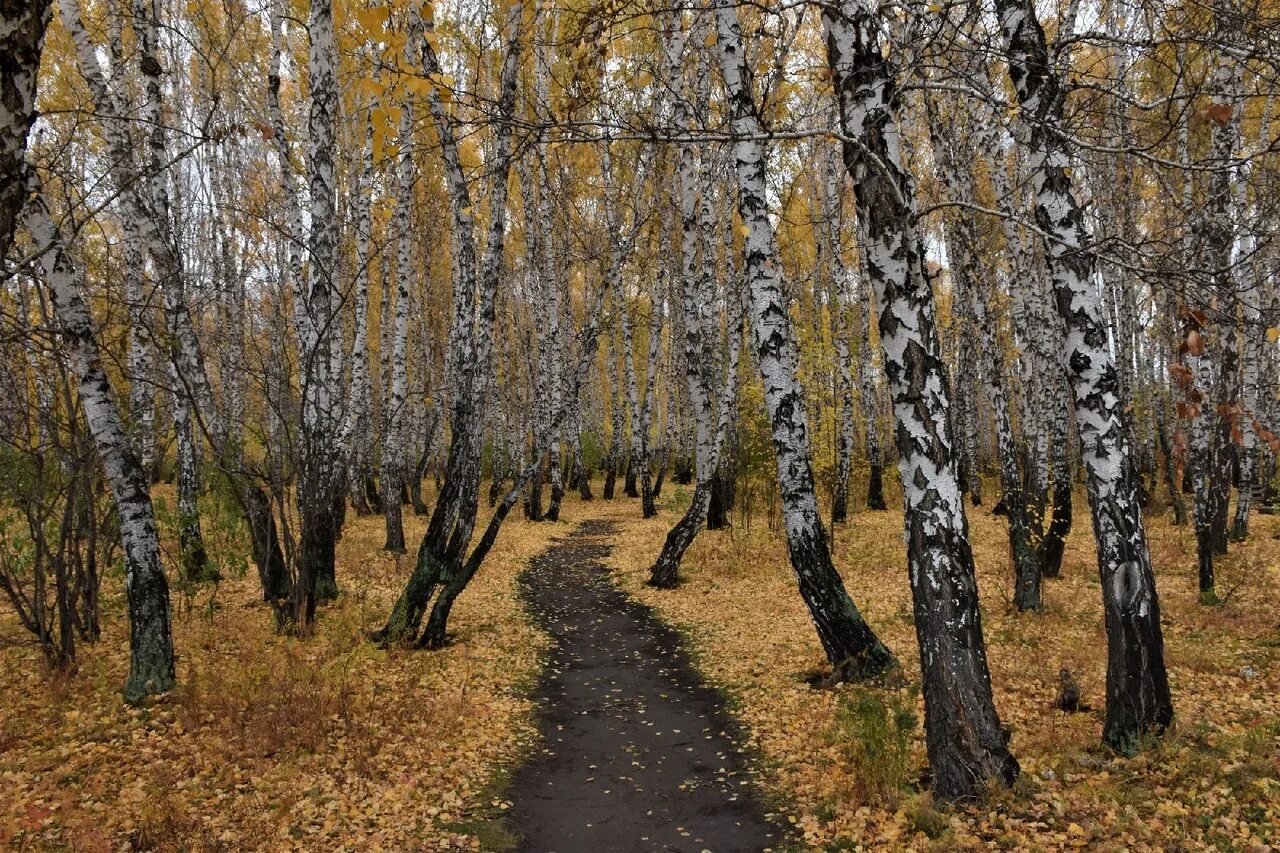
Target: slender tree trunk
column 614, row 458
column 1170, row 472
column 394, row 429
column 1138, row 699
column 151, row 668
column 648, row 498
column 851, row 646
column 1054, row 544
column 838, row 280
column 579, row 464
column 967, row 746
column 871, row 408
column 358, row 420
column 316, row 484
column 194, row 559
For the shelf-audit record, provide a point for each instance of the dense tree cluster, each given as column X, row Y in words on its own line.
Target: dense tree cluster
column 301, row 258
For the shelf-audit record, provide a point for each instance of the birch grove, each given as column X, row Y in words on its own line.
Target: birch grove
column 295, row 269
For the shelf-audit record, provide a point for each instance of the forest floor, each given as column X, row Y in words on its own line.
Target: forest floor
column 849, row 760
column 330, row 743
column 636, row 752
column 272, row 743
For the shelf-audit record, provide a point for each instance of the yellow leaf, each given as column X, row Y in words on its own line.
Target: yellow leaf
column 372, row 21
column 419, row 86
column 469, row 153
column 444, row 83
column 1273, row 335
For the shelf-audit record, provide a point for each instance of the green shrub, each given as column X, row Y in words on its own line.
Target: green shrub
column 873, row 732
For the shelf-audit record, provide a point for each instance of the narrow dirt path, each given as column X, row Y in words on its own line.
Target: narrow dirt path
column 637, row 753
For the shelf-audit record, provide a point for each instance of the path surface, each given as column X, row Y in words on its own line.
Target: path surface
column 637, row 753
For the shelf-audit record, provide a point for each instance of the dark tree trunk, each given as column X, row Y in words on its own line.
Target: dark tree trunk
column 875, row 487
column 359, row 500
column 394, row 524
column 840, row 504
column 648, row 504
column 665, row 572
column 371, row 493
column 721, row 496
column 557, row 495
column 533, row 500
column 629, row 483
column 21, row 44
column 316, row 570
column 339, row 511
column 1053, row 545
column 1176, row 503
column 415, row 497
column 267, row 554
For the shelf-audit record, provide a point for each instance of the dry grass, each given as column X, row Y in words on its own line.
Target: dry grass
column 271, row 742
column 1211, row 784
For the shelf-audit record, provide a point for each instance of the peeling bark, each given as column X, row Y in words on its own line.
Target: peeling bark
column 852, row 647
column 1138, row 698
column 967, row 745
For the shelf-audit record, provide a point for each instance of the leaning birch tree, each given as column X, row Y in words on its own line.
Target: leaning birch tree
column 1138, row 699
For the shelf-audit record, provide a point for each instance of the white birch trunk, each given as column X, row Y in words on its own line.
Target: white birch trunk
column 151, row 667
column 394, row 458
column 967, row 746
column 1138, row 699
column 851, row 646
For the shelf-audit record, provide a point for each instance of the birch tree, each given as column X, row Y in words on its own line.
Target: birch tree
column 967, row 745
column 851, row 646
column 697, row 279
column 443, row 564
column 22, row 29
column 151, row 667
column 1138, row 699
